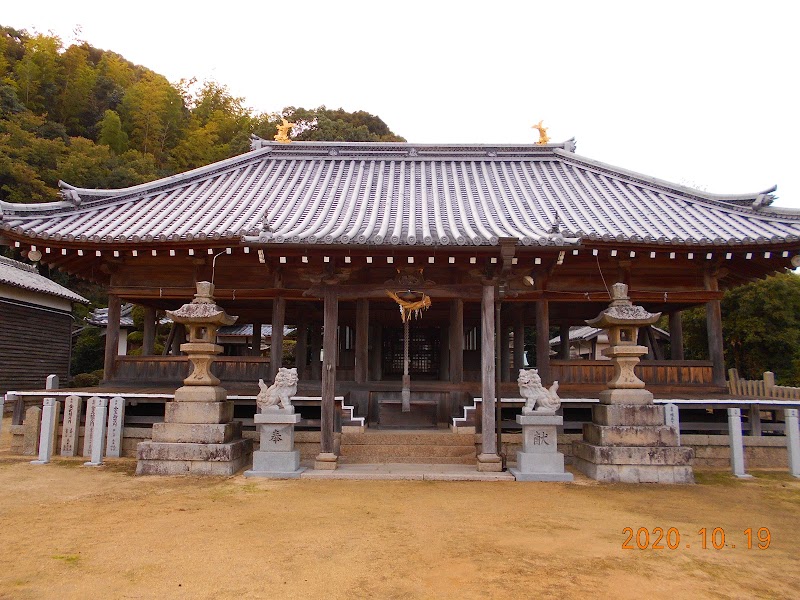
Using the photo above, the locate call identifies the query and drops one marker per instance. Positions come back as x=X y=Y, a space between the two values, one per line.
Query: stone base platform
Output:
x=629 y=464
x=166 y=458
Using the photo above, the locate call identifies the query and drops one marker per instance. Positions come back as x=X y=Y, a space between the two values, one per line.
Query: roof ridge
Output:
x=18 y=265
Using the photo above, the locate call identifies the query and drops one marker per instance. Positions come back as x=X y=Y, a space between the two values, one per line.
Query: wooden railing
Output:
x=158 y=369
x=760 y=387
x=653 y=373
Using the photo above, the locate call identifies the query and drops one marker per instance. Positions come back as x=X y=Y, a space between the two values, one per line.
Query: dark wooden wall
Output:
x=34 y=343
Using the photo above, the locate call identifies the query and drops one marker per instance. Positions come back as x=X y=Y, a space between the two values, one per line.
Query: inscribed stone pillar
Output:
x=112 y=337
x=543 y=341
x=2 y=408
x=456 y=340
x=736 y=442
x=276 y=457
x=18 y=405
x=149 y=333
x=116 y=423
x=326 y=459
x=672 y=420
x=89 y=425
x=98 y=433
x=488 y=460
x=276 y=342
x=793 y=440
x=31 y=430
x=676 y=335
x=540 y=459
x=73 y=406
x=49 y=431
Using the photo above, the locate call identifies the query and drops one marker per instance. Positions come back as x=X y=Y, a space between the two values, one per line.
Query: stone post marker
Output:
x=198 y=435
x=628 y=439
x=672 y=419
x=793 y=440
x=49 y=431
x=91 y=420
x=116 y=423
x=72 y=424
x=539 y=459
x=737 y=443
x=276 y=456
x=2 y=408
x=31 y=430
x=98 y=433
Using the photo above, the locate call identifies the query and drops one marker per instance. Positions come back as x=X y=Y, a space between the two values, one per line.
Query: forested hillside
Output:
x=94 y=119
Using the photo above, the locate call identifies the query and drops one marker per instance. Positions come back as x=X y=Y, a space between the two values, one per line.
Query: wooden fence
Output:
x=765 y=387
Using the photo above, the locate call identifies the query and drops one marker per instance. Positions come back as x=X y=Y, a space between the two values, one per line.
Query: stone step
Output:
x=391 y=450
x=410 y=438
x=416 y=460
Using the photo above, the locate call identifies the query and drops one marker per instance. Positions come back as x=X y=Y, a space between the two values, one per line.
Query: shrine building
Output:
x=507 y=242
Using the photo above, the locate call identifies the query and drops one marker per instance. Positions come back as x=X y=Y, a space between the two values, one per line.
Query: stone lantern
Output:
x=198 y=435
x=623 y=319
x=628 y=439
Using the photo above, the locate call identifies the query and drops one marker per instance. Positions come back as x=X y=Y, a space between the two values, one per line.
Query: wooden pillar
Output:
x=255 y=339
x=543 y=341
x=376 y=352
x=456 y=341
x=444 y=348
x=327 y=458
x=178 y=338
x=301 y=348
x=316 y=347
x=276 y=342
x=505 y=347
x=112 y=337
x=715 y=348
x=653 y=341
x=563 y=351
x=676 y=335
x=362 y=341
x=519 y=340
x=149 y=333
x=488 y=460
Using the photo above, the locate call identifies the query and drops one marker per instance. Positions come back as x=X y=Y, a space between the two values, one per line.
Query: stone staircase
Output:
x=409 y=447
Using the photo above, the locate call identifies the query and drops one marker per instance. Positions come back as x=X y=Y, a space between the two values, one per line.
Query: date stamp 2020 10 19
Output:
x=659 y=538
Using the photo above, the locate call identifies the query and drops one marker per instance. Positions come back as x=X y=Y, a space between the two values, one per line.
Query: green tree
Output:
x=760 y=326
x=112 y=134
x=39 y=72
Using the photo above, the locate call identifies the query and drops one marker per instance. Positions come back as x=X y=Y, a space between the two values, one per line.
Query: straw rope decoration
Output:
x=410 y=308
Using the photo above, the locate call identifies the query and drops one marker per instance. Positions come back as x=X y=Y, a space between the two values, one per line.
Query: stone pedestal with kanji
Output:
x=540 y=459
x=277 y=457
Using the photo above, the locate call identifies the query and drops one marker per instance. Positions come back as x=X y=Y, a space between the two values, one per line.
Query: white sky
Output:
x=702 y=93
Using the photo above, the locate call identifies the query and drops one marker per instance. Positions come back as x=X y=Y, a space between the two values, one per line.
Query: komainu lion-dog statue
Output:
x=277 y=396
x=537 y=398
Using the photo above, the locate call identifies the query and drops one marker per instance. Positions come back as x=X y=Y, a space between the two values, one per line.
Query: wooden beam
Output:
x=715 y=348
x=112 y=337
x=676 y=335
x=505 y=347
x=276 y=342
x=543 y=341
x=316 y=347
x=329 y=346
x=456 y=341
x=362 y=340
x=255 y=339
x=149 y=333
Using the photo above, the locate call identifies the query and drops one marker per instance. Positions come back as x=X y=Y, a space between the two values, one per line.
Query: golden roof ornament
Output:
x=283 y=132
x=543 y=137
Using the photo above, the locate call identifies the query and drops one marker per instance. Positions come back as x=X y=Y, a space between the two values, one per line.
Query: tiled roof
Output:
x=587 y=333
x=247 y=330
x=406 y=194
x=17 y=274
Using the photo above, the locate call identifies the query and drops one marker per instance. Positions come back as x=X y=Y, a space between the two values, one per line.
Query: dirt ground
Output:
x=68 y=531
